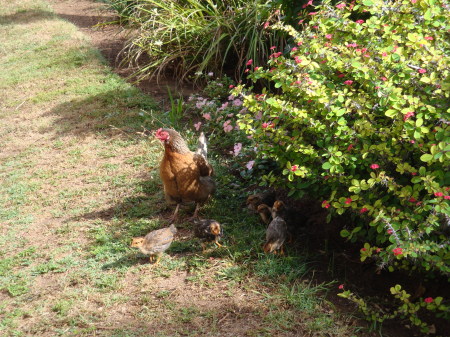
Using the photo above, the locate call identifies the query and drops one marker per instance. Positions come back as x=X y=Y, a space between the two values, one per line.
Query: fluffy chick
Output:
x=156 y=242
x=295 y=220
x=208 y=230
x=265 y=212
x=254 y=200
x=276 y=234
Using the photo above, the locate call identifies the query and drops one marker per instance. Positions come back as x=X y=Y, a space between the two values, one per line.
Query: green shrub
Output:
x=357 y=113
x=199 y=36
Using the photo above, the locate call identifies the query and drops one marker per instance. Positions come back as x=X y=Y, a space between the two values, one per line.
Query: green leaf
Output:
x=426 y=157
x=368 y=3
x=345 y=233
x=326 y=165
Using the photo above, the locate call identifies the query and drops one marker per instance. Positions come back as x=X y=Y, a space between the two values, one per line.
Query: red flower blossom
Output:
x=294 y=49
x=350 y=147
x=412 y=199
x=341 y=75
x=408 y=115
x=447 y=197
x=312 y=13
x=413 y=173
x=231 y=86
x=294 y=168
x=384 y=54
x=429 y=38
x=359 y=21
x=397 y=251
x=266 y=24
x=341 y=5
x=341 y=286
x=428 y=300
x=348 y=82
x=374 y=166
x=348 y=201
x=384 y=79
x=438 y=194
x=265 y=125
x=363 y=210
x=325 y=204
x=249 y=62
x=329 y=36
x=378 y=250
x=390 y=231
x=422 y=71
x=297 y=59
x=363 y=249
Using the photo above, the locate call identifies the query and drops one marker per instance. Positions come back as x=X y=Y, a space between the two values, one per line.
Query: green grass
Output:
x=77 y=182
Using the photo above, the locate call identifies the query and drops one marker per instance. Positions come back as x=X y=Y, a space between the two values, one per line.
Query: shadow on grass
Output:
x=123 y=107
x=26 y=17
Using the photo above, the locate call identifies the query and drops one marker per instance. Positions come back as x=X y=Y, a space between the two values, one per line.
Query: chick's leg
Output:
x=216 y=241
x=158 y=258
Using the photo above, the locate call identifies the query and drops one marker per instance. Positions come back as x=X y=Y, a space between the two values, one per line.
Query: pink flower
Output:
x=413 y=173
x=384 y=54
x=266 y=24
x=250 y=164
x=312 y=13
x=438 y=194
x=294 y=49
x=329 y=36
x=350 y=147
x=363 y=249
x=374 y=166
x=294 y=168
x=341 y=286
x=237 y=148
x=298 y=59
x=413 y=1
x=249 y=62
x=359 y=21
x=348 y=82
x=348 y=201
x=422 y=71
x=325 y=204
x=447 y=197
x=428 y=300
x=429 y=38
x=397 y=251
x=412 y=199
x=378 y=250
x=273 y=47
x=390 y=231
x=363 y=210
x=352 y=45
x=341 y=5
x=231 y=86
x=341 y=75
x=408 y=115
x=384 y=79
x=227 y=127
x=266 y=125
x=207 y=117
x=237 y=102
x=197 y=125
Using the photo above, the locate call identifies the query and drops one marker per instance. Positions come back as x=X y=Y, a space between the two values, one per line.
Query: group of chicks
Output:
x=282 y=221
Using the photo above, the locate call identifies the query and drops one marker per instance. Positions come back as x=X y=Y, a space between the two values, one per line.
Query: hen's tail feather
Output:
x=202 y=148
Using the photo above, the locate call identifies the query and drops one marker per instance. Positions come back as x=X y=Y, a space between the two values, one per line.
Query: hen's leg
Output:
x=217 y=242
x=174 y=215
x=195 y=216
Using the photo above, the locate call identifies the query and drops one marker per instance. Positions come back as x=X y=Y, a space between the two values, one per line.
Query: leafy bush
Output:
x=357 y=113
x=199 y=36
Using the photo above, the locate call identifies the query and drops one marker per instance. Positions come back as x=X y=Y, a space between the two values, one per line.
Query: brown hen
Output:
x=186 y=175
